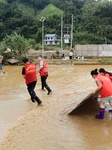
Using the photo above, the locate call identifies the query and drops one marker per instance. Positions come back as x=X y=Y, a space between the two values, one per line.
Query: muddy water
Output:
x=13 y=103
x=56 y=129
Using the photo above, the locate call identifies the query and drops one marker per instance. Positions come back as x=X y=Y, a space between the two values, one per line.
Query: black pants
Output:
x=44 y=84
x=31 y=87
x=32 y=93
x=43 y=81
x=63 y=56
x=70 y=57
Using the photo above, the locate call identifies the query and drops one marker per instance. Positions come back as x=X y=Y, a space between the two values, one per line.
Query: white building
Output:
x=66 y=38
x=51 y=39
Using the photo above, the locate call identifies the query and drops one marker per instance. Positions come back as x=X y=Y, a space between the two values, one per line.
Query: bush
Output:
x=57 y=52
x=32 y=43
x=37 y=46
x=17 y=43
x=84 y=38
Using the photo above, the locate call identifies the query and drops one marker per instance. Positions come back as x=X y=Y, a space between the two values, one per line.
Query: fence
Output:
x=104 y=50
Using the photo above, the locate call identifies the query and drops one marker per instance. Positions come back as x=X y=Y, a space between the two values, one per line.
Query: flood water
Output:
x=56 y=129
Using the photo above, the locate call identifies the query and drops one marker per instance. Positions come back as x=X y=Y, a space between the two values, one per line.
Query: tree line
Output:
x=92 y=20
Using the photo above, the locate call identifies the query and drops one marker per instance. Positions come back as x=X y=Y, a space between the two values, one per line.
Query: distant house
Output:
x=51 y=39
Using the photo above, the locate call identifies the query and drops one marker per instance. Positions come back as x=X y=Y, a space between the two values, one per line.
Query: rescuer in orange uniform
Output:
x=43 y=70
x=103 y=72
x=104 y=86
x=29 y=74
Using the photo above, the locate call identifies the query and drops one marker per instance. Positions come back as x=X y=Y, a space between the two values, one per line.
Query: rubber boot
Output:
x=38 y=100
x=110 y=110
x=101 y=115
x=49 y=90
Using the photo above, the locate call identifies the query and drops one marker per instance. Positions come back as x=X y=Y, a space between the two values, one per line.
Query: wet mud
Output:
x=50 y=127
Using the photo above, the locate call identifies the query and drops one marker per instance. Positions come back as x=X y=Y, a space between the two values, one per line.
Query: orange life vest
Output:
x=30 y=73
x=106 y=89
x=44 y=70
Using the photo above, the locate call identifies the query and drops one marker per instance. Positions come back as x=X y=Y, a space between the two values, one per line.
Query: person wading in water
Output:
x=29 y=73
x=43 y=70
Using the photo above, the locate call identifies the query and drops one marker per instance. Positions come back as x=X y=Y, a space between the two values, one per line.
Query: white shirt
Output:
x=41 y=65
x=71 y=53
x=63 y=51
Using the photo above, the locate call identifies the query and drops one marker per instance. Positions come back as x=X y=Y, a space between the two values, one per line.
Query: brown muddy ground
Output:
x=49 y=127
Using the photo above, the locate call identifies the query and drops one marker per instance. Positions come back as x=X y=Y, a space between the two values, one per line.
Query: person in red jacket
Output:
x=103 y=72
x=29 y=74
x=43 y=70
x=104 y=86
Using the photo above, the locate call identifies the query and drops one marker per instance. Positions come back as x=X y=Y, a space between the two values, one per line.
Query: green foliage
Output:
x=50 y=10
x=53 y=21
x=97 y=19
x=57 y=52
x=26 y=9
x=32 y=43
x=38 y=46
x=84 y=38
x=4 y=1
x=38 y=36
x=2 y=48
x=92 y=19
x=36 y=4
x=17 y=43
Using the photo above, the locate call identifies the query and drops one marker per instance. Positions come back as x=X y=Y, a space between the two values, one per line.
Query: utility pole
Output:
x=42 y=20
x=72 y=33
x=67 y=30
x=61 y=32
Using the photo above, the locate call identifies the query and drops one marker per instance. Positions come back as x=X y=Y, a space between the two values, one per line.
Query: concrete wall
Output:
x=93 y=50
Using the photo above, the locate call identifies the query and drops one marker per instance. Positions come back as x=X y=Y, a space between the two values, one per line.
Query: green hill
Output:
x=89 y=25
x=50 y=10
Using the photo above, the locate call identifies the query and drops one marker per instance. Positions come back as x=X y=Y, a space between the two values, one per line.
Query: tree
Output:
x=97 y=19
x=17 y=43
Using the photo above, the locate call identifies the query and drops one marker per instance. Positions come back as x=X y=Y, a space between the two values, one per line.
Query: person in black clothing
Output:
x=29 y=74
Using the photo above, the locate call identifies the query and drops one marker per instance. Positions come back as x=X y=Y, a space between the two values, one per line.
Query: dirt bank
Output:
x=59 y=61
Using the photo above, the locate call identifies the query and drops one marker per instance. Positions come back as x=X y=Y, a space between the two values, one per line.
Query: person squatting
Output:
x=103 y=72
x=104 y=86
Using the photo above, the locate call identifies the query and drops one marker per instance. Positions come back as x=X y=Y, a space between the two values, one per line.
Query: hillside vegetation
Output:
x=92 y=20
x=50 y=10
x=26 y=10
